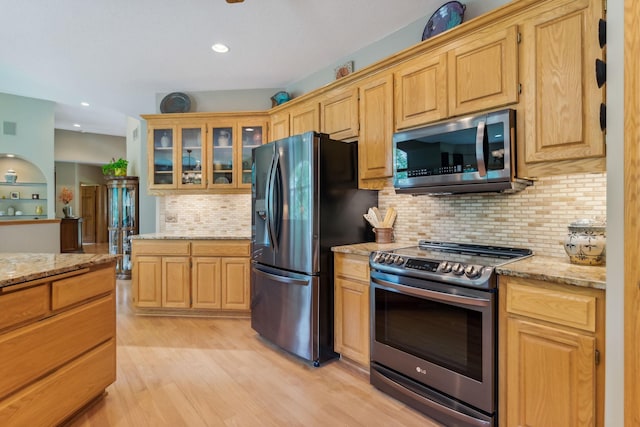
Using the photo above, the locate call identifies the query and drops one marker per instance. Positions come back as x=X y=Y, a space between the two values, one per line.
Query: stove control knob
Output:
x=378 y=257
x=472 y=272
x=458 y=269
x=390 y=259
x=399 y=260
x=446 y=267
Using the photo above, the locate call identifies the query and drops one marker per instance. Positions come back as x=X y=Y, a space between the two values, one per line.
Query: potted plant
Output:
x=116 y=167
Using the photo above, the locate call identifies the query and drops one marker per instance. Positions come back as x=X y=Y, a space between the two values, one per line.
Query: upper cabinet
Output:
x=483 y=71
x=561 y=99
x=203 y=152
x=421 y=90
x=231 y=143
x=339 y=113
x=376 y=131
x=295 y=119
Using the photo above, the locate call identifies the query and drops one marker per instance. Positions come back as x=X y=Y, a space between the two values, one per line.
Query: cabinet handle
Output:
x=603 y=116
x=601 y=72
x=602 y=32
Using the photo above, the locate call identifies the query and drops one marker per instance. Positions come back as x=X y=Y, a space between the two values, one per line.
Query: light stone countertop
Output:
x=365 y=249
x=22 y=267
x=538 y=267
x=557 y=270
x=182 y=236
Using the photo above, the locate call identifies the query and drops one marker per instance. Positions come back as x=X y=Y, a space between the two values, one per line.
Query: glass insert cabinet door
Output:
x=222 y=156
x=122 y=220
x=163 y=157
x=192 y=153
x=252 y=137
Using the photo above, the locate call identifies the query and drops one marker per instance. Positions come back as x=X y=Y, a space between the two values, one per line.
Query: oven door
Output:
x=436 y=334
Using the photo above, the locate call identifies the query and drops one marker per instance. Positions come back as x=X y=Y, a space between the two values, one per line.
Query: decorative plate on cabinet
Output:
x=176 y=102
x=446 y=17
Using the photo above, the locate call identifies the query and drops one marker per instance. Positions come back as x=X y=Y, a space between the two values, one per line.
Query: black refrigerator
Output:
x=305 y=199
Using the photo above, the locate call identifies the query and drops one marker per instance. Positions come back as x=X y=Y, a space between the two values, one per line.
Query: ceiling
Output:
x=118 y=54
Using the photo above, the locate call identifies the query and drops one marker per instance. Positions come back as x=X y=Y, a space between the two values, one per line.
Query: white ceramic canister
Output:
x=586 y=242
x=11 y=176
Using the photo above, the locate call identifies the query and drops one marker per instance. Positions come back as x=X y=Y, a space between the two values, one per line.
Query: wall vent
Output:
x=9 y=128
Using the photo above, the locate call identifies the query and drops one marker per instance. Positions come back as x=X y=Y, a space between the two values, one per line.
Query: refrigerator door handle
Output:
x=271 y=202
x=281 y=279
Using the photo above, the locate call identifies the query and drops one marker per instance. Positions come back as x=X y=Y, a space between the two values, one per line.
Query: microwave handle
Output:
x=480 y=134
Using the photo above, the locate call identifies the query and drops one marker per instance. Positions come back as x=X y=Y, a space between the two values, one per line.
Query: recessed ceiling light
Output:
x=76 y=125
x=220 y=48
x=11 y=155
x=84 y=104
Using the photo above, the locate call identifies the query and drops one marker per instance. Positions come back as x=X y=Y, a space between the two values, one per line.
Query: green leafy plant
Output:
x=116 y=167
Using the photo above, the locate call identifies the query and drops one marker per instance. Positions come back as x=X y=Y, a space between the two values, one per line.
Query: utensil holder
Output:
x=383 y=235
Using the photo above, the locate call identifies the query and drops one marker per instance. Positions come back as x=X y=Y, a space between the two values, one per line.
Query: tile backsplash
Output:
x=534 y=218
x=221 y=215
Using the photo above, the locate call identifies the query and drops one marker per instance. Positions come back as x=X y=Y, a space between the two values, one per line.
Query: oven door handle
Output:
x=434 y=295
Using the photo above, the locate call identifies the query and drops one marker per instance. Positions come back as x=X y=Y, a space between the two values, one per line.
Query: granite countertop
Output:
x=182 y=236
x=557 y=270
x=366 y=248
x=23 y=267
x=539 y=267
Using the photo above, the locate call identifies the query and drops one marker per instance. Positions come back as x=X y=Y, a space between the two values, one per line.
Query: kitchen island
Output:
x=57 y=335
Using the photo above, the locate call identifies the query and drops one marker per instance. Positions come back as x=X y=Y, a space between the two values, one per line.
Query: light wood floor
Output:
x=177 y=371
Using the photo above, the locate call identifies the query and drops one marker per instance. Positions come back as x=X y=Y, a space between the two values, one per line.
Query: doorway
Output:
x=93 y=208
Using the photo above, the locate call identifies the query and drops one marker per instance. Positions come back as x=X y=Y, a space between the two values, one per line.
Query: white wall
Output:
x=33 y=237
x=614 y=384
x=89 y=148
x=34 y=134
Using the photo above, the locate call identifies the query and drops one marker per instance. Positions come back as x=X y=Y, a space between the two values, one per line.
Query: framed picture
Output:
x=344 y=70
x=15 y=195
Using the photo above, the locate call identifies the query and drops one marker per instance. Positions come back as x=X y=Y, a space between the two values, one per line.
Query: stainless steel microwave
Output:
x=470 y=154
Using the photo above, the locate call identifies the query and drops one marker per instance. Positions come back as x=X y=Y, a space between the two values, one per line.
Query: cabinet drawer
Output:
x=23 y=305
x=352 y=266
x=220 y=248
x=30 y=352
x=160 y=247
x=74 y=289
x=560 y=307
x=59 y=395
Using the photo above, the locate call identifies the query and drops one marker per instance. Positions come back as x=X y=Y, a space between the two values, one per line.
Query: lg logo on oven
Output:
x=420 y=370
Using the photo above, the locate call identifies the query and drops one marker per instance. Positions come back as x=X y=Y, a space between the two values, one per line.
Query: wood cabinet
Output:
x=339 y=113
x=203 y=152
x=71 y=235
x=483 y=71
x=221 y=274
x=351 y=312
x=421 y=91
x=230 y=144
x=295 y=119
x=551 y=354
x=57 y=338
x=176 y=150
x=560 y=96
x=279 y=125
x=376 y=131
x=191 y=274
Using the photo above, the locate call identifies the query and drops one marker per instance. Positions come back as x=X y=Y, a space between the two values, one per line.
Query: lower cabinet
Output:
x=552 y=354
x=209 y=274
x=351 y=307
x=57 y=340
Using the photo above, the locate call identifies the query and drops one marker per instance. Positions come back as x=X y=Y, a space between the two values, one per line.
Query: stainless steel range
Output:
x=434 y=328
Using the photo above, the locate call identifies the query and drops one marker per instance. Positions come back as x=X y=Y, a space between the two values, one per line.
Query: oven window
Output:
x=443 y=334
